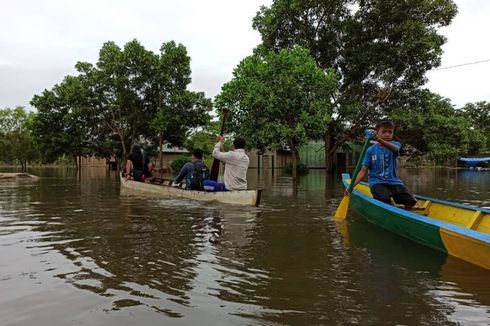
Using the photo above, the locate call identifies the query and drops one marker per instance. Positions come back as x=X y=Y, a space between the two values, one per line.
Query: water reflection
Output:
x=73 y=249
x=452 y=290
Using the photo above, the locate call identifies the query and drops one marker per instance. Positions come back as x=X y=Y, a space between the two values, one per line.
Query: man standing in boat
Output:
x=380 y=162
x=236 y=165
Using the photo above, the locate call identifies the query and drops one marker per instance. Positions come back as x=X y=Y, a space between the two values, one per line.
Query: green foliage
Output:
x=279 y=100
x=61 y=125
x=131 y=94
x=179 y=110
x=17 y=144
x=478 y=115
x=301 y=168
x=434 y=127
x=375 y=48
x=179 y=162
x=204 y=140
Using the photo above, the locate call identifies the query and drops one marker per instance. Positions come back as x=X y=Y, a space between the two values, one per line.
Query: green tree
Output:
x=179 y=110
x=129 y=95
x=479 y=115
x=61 y=125
x=431 y=124
x=17 y=143
x=119 y=99
x=202 y=139
x=375 y=47
x=280 y=100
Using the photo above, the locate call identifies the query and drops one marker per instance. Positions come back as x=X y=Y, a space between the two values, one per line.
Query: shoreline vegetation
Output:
x=327 y=79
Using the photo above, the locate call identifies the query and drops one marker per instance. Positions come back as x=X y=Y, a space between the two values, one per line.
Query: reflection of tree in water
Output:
x=283 y=262
x=430 y=285
x=140 y=252
x=284 y=267
x=294 y=269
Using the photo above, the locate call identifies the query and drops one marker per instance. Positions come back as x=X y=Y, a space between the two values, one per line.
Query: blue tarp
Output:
x=473 y=161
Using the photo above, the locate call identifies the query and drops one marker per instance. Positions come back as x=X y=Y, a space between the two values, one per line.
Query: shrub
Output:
x=179 y=162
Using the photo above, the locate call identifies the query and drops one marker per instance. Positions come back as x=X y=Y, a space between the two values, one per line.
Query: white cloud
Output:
x=5 y=62
x=40 y=41
x=466 y=42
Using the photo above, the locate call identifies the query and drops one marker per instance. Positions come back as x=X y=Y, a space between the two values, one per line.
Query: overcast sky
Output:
x=41 y=40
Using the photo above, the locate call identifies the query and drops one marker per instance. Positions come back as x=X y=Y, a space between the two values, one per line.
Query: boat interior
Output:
x=470 y=217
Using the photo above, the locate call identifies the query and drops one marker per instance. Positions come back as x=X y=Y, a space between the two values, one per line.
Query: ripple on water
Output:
x=83 y=246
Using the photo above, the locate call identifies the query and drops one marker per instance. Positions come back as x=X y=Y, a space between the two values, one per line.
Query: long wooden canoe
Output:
x=457 y=229
x=166 y=190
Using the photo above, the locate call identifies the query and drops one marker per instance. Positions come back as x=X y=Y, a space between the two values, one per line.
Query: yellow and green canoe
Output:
x=457 y=229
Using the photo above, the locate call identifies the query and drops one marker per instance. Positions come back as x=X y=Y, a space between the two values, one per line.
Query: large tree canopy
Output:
x=62 y=126
x=279 y=100
x=430 y=124
x=17 y=143
x=375 y=47
x=479 y=116
x=130 y=94
x=178 y=109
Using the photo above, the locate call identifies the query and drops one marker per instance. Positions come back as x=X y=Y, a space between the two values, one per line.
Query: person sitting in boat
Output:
x=235 y=177
x=148 y=167
x=194 y=173
x=135 y=164
x=381 y=166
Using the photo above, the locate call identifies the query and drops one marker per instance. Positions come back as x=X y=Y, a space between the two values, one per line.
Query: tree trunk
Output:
x=75 y=157
x=329 y=150
x=294 y=163
x=160 y=154
x=124 y=154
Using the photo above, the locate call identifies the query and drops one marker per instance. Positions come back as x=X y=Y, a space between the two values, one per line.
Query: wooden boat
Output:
x=163 y=188
x=457 y=229
x=17 y=176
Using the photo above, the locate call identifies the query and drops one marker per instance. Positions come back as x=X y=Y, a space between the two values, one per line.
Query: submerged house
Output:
x=312 y=155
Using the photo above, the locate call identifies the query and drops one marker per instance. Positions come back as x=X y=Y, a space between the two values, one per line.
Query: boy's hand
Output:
x=220 y=139
x=346 y=193
x=370 y=134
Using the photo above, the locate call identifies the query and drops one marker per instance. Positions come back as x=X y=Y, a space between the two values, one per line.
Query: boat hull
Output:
x=464 y=243
x=238 y=197
x=420 y=232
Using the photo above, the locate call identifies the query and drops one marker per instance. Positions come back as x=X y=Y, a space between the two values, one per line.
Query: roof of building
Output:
x=169 y=149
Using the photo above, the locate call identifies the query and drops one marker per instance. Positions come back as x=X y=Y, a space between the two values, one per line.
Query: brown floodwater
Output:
x=73 y=251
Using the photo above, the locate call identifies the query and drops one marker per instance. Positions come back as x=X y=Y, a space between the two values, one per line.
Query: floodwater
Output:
x=73 y=251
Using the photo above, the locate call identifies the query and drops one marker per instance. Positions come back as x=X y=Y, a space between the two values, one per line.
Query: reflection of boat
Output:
x=460 y=230
x=454 y=280
x=468 y=279
x=165 y=190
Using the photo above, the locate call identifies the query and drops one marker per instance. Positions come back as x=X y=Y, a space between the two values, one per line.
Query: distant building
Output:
x=312 y=155
x=269 y=159
x=169 y=155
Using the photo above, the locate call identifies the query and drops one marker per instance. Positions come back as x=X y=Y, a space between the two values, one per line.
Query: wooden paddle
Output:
x=341 y=212
x=215 y=167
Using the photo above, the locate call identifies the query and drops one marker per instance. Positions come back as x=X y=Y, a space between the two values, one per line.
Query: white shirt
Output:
x=236 y=167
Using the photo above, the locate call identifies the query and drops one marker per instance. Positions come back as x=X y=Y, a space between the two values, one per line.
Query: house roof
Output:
x=168 y=149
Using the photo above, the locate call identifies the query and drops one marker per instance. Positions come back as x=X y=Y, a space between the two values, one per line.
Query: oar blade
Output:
x=341 y=213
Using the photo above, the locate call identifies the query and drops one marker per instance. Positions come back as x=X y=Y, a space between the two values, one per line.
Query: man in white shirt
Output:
x=236 y=163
